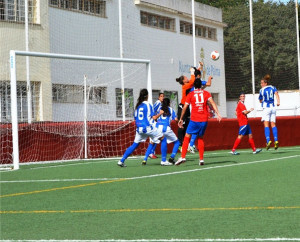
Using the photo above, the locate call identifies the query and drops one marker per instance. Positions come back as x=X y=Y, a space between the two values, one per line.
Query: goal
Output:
x=81 y=107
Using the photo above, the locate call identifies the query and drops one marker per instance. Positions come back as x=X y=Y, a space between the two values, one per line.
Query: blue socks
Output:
x=175 y=149
x=153 y=149
x=274 y=130
x=267 y=134
x=129 y=151
x=164 y=149
x=193 y=139
x=148 y=152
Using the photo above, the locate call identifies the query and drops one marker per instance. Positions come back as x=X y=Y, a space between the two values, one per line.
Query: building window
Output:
x=157 y=21
x=14 y=10
x=129 y=103
x=200 y=30
x=95 y=7
x=97 y=95
x=62 y=93
x=215 y=97
x=5 y=101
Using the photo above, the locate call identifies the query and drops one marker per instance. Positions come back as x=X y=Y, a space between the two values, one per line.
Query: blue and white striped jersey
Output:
x=266 y=94
x=143 y=117
x=157 y=106
x=166 y=120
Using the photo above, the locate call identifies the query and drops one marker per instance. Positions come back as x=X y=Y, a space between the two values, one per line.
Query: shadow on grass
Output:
x=193 y=163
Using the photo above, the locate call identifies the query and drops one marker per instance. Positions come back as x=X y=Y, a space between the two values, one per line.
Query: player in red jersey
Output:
x=199 y=117
x=241 y=113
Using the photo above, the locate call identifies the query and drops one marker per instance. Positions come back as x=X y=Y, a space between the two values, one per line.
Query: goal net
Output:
x=81 y=107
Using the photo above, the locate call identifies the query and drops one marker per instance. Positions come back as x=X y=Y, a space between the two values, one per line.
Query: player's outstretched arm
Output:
x=213 y=104
x=180 y=122
x=208 y=83
x=277 y=98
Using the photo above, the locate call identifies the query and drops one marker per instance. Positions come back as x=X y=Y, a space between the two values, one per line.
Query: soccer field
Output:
x=232 y=198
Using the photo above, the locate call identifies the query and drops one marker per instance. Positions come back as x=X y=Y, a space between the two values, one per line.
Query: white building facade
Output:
x=156 y=30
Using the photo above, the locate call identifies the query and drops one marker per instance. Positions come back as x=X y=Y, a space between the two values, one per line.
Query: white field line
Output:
x=157 y=175
x=167 y=240
x=107 y=160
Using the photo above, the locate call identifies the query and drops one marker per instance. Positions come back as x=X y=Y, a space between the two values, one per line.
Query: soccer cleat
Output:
x=191 y=149
x=171 y=160
x=268 y=145
x=180 y=161
x=166 y=163
x=152 y=156
x=121 y=164
x=195 y=148
x=276 y=145
x=257 y=151
x=234 y=153
x=144 y=162
x=201 y=162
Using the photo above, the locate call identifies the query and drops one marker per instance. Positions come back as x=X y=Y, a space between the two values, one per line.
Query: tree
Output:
x=223 y=3
x=275 y=47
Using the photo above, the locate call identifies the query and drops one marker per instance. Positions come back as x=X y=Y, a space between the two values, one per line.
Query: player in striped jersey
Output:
x=266 y=97
x=163 y=124
x=156 y=107
x=144 y=116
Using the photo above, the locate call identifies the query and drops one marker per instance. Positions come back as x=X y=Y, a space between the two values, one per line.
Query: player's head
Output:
x=143 y=97
x=198 y=83
x=182 y=80
x=242 y=96
x=265 y=81
x=165 y=106
x=161 y=96
x=197 y=73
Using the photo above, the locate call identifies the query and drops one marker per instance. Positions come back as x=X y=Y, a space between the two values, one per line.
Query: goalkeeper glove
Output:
x=192 y=70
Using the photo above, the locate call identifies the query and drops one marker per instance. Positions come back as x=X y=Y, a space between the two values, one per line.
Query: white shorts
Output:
x=269 y=114
x=169 y=134
x=154 y=135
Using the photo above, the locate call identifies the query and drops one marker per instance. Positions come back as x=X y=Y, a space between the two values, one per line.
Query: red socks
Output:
x=236 y=144
x=251 y=142
x=185 y=146
x=201 y=148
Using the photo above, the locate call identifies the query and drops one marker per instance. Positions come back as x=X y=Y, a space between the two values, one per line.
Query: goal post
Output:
x=85 y=93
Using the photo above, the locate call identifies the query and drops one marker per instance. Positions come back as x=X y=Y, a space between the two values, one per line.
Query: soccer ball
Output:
x=215 y=55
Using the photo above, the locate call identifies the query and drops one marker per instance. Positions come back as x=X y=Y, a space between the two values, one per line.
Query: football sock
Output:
x=129 y=150
x=153 y=149
x=267 y=134
x=164 y=149
x=236 y=144
x=193 y=139
x=274 y=130
x=185 y=145
x=251 y=142
x=201 y=148
x=175 y=148
x=148 y=152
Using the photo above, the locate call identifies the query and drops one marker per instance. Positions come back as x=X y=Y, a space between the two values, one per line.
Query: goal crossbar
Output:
x=13 y=77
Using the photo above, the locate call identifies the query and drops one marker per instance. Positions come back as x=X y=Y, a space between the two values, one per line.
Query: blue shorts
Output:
x=245 y=130
x=197 y=128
